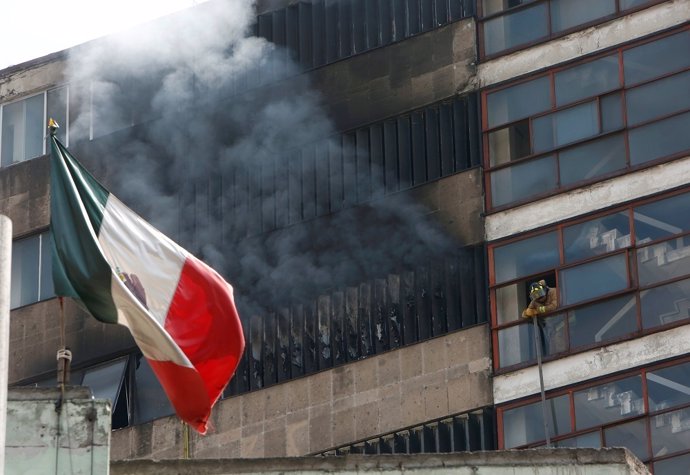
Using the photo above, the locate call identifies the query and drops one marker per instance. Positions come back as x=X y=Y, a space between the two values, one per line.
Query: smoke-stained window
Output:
x=324 y=31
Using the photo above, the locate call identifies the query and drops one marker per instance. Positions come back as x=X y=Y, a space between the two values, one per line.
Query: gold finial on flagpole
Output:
x=52 y=126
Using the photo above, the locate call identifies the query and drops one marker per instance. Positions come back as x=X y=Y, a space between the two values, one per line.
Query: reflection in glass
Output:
x=567 y=14
x=597 y=236
x=22 y=130
x=24 y=279
x=602 y=321
x=518 y=102
x=673 y=466
x=608 y=402
x=150 y=401
x=490 y=7
x=668 y=387
x=664 y=261
x=525 y=424
x=662 y=218
x=665 y=304
x=662 y=97
x=592 y=159
x=516 y=344
x=566 y=126
x=105 y=381
x=509 y=143
x=587 y=80
x=657 y=58
x=611 y=107
x=515 y=29
x=593 y=279
x=523 y=180
x=644 y=141
x=526 y=257
x=590 y=440
x=632 y=436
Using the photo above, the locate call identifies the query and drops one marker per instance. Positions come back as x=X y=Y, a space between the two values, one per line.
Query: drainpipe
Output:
x=5 y=271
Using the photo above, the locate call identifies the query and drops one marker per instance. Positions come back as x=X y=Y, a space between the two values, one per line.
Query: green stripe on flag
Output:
x=76 y=213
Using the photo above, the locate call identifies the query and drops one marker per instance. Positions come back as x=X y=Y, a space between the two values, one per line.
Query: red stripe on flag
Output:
x=186 y=392
x=203 y=321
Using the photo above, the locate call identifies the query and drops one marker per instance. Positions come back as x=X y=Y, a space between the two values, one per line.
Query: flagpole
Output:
x=5 y=273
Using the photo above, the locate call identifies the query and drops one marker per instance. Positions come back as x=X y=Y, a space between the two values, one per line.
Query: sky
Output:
x=34 y=28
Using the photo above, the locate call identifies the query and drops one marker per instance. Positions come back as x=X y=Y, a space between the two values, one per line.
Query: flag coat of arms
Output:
x=180 y=312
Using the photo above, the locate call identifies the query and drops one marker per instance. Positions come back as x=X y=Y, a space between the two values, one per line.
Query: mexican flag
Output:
x=180 y=312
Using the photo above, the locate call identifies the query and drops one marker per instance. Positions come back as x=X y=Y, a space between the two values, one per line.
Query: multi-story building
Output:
x=381 y=181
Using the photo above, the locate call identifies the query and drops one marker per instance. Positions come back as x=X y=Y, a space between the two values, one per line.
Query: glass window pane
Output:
x=105 y=380
x=597 y=236
x=489 y=7
x=632 y=436
x=24 y=283
x=516 y=345
x=519 y=101
x=525 y=424
x=591 y=440
x=602 y=321
x=662 y=218
x=625 y=4
x=673 y=466
x=590 y=280
x=587 y=80
x=659 y=98
x=515 y=29
x=567 y=14
x=593 y=159
x=664 y=261
x=656 y=58
x=670 y=432
x=668 y=387
x=666 y=304
x=150 y=401
x=510 y=301
x=526 y=257
x=646 y=146
x=566 y=126
x=611 y=112
x=608 y=402
x=523 y=180
x=509 y=143
x=22 y=130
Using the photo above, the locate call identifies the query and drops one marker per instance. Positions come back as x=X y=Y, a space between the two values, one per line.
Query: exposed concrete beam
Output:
x=593 y=364
x=588 y=198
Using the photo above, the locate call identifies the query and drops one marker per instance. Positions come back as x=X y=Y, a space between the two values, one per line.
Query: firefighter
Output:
x=543 y=299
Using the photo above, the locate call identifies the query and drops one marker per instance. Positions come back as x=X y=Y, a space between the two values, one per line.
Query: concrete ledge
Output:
x=536 y=461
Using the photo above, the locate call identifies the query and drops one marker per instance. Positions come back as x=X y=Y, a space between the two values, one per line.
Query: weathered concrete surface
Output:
x=32 y=77
x=593 y=364
x=588 y=198
x=406 y=75
x=581 y=43
x=400 y=388
x=73 y=440
x=616 y=461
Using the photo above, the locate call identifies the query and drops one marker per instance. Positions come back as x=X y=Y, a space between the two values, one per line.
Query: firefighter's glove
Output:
x=529 y=312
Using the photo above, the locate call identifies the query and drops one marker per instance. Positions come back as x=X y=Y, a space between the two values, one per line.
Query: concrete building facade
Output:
x=381 y=181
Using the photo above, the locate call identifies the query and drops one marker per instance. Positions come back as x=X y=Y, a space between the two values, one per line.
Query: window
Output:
x=618 y=274
x=24 y=125
x=646 y=411
x=32 y=279
x=605 y=116
x=506 y=25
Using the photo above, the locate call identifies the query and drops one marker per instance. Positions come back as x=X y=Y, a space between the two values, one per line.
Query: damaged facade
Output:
x=381 y=248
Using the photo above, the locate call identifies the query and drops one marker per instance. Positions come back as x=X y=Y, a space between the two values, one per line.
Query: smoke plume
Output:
x=211 y=125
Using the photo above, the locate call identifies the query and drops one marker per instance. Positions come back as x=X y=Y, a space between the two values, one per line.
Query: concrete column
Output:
x=5 y=271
